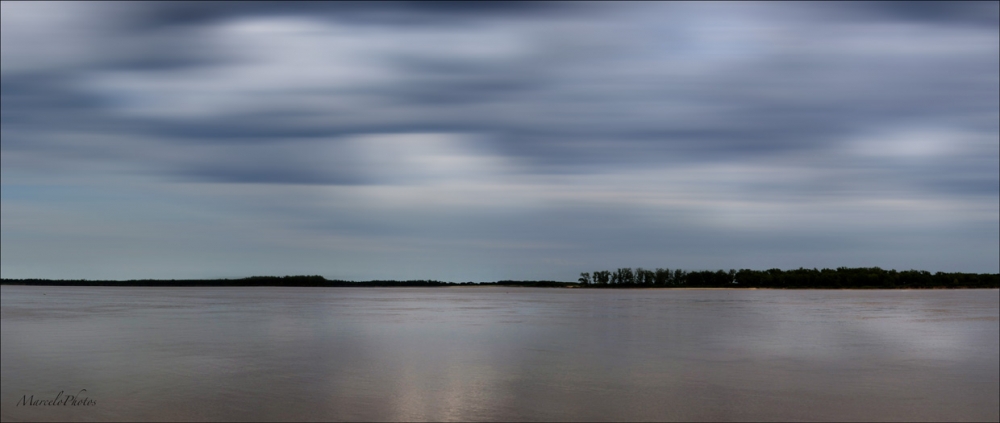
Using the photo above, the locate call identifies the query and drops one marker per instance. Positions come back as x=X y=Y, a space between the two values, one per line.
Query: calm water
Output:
x=500 y=354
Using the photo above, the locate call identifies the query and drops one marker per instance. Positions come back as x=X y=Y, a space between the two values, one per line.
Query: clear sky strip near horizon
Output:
x=488 y=141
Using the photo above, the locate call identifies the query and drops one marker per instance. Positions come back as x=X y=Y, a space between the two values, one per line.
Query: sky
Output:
x=491 y=141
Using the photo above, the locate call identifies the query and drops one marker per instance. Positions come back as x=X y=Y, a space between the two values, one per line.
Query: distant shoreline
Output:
x=622 y=278
x=967 y=281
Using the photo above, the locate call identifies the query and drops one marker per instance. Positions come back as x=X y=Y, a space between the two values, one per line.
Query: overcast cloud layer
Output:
x=496 y=141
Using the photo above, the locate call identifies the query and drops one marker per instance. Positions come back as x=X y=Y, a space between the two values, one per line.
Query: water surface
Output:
x=471 y=353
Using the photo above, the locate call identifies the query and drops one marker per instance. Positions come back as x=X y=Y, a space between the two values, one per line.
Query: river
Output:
x=494 y=353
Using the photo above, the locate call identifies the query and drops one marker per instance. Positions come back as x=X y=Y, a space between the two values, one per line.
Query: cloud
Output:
x=774 y=120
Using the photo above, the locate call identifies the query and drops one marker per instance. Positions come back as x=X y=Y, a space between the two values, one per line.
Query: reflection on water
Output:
x=500 y=354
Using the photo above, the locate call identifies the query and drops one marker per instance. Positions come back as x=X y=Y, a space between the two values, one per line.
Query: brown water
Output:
x=500 y=354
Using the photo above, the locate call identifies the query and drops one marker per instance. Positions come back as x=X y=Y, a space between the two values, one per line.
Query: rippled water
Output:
x=500 y=354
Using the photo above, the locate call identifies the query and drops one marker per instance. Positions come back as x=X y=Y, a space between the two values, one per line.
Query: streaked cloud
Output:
x=496 y=141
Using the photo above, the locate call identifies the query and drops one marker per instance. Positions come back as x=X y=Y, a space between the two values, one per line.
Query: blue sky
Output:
x=496 y=141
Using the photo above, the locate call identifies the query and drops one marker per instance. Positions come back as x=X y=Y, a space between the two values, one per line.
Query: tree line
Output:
x=839 y=278
x=625 y=277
